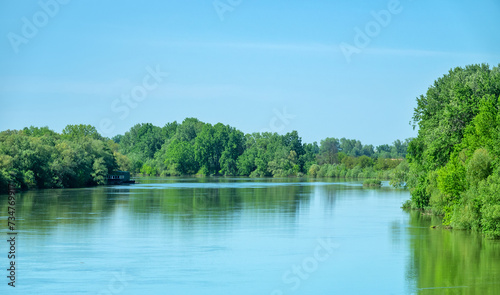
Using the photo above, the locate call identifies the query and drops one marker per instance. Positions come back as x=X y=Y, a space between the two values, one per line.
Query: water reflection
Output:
x=42 y=210
x=240 y=235
x=451 y=261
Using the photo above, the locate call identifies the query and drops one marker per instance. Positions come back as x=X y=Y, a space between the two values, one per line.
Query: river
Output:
x=238 y=236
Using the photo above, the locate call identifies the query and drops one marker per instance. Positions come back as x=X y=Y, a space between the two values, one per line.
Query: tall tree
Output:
x=328 y=150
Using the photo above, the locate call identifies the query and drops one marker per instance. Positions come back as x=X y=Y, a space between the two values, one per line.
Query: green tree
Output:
x=328 y=150
x=443 y=115
x=73 y=132
x=180 y=158
x=454 y=162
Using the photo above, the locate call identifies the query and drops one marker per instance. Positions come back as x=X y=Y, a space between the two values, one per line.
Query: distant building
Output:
x=119 y=177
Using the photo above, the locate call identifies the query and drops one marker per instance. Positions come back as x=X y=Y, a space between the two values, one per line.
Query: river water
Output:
x=238 y=236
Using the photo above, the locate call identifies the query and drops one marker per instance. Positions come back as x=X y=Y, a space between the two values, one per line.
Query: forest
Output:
x=197 y=148
x=453 y=163
x=79 y=156
x=41 y=158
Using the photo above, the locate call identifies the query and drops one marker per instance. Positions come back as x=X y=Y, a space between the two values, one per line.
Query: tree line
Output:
x=79 y=156
x=197 y=148
x=454 y=162
x=41 y=158
x=452 y=167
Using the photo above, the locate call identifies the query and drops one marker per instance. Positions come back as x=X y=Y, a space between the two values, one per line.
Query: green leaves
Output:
x=180 y=158
x=75 y=132
x=39 y=157
x=479 y=167
x=100 y=171
x=454 y=161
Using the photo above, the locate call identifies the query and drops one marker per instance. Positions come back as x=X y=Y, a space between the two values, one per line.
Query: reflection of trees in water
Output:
x=451 y=261
x=188 y=204
x=331 y=193
x=328 y=194
x=42 y=210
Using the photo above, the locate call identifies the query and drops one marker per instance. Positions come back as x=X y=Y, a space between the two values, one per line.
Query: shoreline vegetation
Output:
x=452 y=168
x=78 y=157
x=454 y=162
x=372 y=183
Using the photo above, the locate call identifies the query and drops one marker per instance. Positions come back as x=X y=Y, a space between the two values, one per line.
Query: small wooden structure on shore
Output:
x=120 y=177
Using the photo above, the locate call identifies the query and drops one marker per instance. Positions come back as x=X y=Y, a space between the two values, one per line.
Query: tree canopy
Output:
x=195 y=147
x=454 y=161
x=39 y=157
x=80 y=156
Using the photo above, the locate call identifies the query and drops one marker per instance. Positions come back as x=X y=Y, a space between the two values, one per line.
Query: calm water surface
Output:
x=239 y=236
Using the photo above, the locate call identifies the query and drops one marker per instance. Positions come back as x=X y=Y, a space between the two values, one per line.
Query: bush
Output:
x=372 y=183
x=5 y=179
x=399 y=176
x=322 y=171
x=313 y=170
x=407 y=205
x=489 y=195
x=365 y=161
x=468 y=216
x=479 y=166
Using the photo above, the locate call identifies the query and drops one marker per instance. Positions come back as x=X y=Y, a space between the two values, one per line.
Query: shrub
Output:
x=479 y=166
x=372 y=183
x=313 y=170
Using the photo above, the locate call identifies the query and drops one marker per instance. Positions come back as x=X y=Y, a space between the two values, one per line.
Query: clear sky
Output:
x=324 y=68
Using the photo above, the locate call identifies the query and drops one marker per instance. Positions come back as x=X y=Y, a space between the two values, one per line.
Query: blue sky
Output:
x=257 y=65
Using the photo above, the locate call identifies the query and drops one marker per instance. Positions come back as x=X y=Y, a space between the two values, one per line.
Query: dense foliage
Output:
x=40 y=158
x=454 y=162
x=80 y=156
x=197 y=148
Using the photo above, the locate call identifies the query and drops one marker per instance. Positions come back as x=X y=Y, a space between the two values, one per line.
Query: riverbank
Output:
x=456 y=175
x=80 y=157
